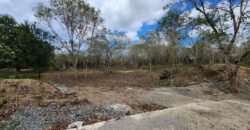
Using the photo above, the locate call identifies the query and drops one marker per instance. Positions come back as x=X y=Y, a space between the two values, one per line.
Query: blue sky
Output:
x=146 y=28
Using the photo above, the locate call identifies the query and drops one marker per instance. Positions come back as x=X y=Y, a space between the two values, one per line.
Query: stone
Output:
x=165 y=74
x=77 y=125
x=119 y=110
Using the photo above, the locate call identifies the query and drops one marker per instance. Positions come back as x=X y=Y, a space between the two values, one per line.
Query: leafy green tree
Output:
x=35 y=50
x=6 y=55
x=24 y=45
x=7 y=40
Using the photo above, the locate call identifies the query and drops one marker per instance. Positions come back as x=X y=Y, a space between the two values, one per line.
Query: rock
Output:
x=119 y=110
x=165 y=74
x=77 y=125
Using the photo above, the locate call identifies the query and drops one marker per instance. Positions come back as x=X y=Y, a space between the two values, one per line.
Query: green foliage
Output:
x=6 y=55
x=18 y=75
x=23 y=45
x=163 y=83
x=11 y=126
x=171 y=24
x=36 y=52
x=2 y=101
x=7 y=40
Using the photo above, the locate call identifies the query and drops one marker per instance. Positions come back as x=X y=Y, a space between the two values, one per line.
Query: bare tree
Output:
x=79 y=19
x=112 y=43
x=139 y=54
x=171 y=26
x=216 y=17
x=152 y=38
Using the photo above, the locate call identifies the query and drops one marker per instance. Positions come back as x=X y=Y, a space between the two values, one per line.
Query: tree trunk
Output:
x=150 y=64
x=18 y=69
x=86 y=69
x=232 y=71
x=233 y=84
x=107 y=66
x=39 y=73
x=75 y=66
x=98 y=59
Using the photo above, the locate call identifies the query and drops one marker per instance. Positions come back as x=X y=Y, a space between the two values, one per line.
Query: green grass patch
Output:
x=8 y=74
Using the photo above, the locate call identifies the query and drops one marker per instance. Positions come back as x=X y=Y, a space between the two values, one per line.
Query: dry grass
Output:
x=21 y=93
x=119 y=87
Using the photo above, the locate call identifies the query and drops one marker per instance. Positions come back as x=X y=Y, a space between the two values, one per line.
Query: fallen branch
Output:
x=208 y=81
x=62 y=88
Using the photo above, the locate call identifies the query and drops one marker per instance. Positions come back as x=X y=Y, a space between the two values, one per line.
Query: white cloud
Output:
x=122 y=15
x=19 y=9
x=132 y=35
x=130 y=15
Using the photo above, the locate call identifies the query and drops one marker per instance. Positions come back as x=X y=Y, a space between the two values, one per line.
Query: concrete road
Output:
x=211 y=115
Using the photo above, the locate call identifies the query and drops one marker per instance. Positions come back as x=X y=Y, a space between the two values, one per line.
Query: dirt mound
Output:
x=198 y=74
x=27 y=86
x=18 y=94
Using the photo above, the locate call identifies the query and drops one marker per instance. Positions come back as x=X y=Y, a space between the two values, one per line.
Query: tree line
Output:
x=219 y=26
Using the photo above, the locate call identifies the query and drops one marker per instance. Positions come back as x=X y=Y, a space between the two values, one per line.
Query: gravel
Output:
x=38 y=118
x=119 y=110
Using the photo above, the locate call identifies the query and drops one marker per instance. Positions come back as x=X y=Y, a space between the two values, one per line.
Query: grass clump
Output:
x=2 y=102
x=10 y=126
x=10 y=74
x=162 y=83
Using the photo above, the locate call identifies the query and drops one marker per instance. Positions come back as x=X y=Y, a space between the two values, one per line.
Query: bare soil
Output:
x=120 y=87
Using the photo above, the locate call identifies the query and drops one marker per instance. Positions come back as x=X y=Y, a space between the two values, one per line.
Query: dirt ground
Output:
x=124 y=86
x=136 y=88
x=120 y=87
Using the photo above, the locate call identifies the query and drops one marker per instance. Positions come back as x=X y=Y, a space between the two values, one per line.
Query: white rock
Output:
x=124 y=109
x=76 y=125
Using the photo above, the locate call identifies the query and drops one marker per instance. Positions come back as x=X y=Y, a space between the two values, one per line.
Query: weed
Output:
x=75 y=101
x=162 y=83
x=63 y=103
x=207 y=72
x=3 y=90
x=150 y=107
x=78 y=101
x=11 y=126
x=18 y=75
x=2 y=102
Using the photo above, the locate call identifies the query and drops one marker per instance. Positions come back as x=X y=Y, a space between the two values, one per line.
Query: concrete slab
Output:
x=212 y=115
x=175 y=96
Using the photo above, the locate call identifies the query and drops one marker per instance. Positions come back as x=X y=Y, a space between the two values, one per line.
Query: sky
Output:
x=133 y=17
